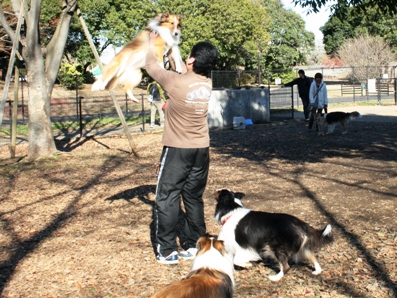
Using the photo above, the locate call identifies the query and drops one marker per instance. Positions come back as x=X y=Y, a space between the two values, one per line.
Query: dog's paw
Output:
x=316 y=272
x=243 y=265
x=276 y=277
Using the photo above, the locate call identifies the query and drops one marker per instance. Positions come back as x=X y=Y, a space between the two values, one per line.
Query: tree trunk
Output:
x=40 y=79
x=41 y=141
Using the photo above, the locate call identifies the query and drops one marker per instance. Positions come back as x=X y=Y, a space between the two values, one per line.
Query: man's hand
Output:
x=152 y=37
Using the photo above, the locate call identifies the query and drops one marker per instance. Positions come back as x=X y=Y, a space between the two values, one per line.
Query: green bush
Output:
x=285 y=76
x=71 y=75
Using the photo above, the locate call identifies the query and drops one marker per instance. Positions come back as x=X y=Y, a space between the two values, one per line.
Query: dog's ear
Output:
x=200 y=242
x=219 y=246
x=239 y=195
x=224 y=195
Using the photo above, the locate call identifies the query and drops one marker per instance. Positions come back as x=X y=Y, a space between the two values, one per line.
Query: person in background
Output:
x=304 y=84
x=318 y=97
x=184 y=161
x=157 y=99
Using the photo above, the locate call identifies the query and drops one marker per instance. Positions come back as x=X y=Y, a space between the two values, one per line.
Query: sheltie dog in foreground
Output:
x=211 y=275
x=332 y=119
x=125 y=68
x=257 y=236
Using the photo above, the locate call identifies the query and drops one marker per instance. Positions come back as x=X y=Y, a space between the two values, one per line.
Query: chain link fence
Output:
x=344 y=84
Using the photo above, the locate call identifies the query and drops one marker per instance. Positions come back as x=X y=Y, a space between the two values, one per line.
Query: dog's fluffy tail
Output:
x=325 y=235
x=354 y=115
x=108 y=80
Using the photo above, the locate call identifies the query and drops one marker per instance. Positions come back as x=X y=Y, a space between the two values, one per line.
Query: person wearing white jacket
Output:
x=318 y=97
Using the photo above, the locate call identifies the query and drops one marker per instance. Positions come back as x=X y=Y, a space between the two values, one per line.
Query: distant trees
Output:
x=290 y=42
x=366 y=53
x=351 y=22
x=382 y=6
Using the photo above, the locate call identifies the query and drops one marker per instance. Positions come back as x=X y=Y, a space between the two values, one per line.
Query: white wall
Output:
x=251 y=104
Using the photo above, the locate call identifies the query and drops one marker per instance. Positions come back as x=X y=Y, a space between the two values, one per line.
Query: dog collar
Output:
x=225 y=220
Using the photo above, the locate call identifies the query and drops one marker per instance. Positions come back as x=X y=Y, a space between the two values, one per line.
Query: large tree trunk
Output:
x=40 y=79
x=41 y=141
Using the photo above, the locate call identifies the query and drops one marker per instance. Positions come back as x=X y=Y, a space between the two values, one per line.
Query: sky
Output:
x=313 y=21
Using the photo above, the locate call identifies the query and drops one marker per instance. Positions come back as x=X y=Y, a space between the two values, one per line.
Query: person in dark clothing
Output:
x=185 y=159
x=303 y=83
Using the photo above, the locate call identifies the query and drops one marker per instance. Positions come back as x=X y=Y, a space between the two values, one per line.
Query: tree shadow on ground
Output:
x=23 y=248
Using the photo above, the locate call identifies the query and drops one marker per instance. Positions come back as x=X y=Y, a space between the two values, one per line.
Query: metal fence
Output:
x=346 y=84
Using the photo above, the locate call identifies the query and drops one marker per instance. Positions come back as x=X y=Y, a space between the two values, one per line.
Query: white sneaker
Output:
x=188 y=254
x=171 y=259
x=151 y=125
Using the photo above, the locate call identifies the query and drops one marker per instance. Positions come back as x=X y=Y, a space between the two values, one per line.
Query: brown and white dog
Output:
x=211 y=275
x=125 y=68
x=332 y=119
x=251 y=236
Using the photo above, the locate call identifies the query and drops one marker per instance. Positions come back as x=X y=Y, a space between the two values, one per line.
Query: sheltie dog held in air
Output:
x=125 y=68
x=211 y=275
x=251 y=236
x=332 y=119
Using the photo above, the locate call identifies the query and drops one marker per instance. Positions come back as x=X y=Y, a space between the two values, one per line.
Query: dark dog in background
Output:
x=251 y=236
x=332 y=119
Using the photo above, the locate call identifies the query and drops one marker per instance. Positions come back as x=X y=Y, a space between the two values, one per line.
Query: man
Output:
x=184 y=161
x=303 y=83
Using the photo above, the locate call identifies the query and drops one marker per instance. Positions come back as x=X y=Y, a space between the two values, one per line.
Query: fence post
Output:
x=292 y=102
x=80 y=117
x=23 y=108
x=143 y=113
x=395 y=91
x=77 y=98
x=379 y=91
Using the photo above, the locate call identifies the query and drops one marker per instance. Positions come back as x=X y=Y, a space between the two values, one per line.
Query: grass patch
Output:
x=70 y=126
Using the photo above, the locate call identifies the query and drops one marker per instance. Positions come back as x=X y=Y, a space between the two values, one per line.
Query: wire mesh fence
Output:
x=344 y=84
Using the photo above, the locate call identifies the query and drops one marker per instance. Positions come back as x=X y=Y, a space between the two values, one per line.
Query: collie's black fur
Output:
x=253 y=235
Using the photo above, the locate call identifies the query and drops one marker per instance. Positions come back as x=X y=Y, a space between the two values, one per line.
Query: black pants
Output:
x=306 y=107
x=183 y=173
x=313 y=111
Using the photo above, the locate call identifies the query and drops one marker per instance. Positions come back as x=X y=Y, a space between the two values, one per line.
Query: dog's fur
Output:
x=251 y=236
x=211 y=275
x=332 y=119
x=125 y=68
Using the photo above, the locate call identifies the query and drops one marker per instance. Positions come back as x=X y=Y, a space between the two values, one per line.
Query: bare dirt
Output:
x=79 y=224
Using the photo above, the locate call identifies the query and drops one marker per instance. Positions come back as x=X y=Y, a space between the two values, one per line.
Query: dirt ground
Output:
x=79 y=224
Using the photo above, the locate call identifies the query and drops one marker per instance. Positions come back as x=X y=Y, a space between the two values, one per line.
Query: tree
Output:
x=236 y=28
x=42 y=68
x=382 y=6
x=290 y=42
x=352 y=22
x=366 y=54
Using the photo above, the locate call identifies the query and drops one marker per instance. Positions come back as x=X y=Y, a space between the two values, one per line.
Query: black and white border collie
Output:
x=211 y=275
x=254 y=236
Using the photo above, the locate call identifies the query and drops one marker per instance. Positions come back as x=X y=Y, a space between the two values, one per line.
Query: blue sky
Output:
x=313 y=21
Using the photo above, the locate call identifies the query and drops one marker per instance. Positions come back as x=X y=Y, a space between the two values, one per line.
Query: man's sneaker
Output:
x=188 y=254
x=151 y=125
x=171 y=259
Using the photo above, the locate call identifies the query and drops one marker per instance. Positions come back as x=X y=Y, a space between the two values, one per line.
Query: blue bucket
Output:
x=248 y=122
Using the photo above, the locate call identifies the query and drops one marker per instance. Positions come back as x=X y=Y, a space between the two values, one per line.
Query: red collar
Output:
x=225 y=220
